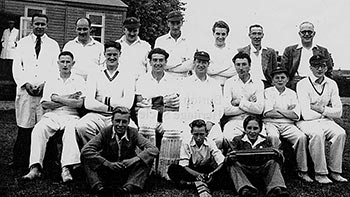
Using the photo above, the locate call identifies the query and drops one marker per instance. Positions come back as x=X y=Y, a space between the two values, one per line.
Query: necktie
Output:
x=37 y=46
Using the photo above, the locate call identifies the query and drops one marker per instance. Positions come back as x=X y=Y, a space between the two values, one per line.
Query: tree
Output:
x=152 y=15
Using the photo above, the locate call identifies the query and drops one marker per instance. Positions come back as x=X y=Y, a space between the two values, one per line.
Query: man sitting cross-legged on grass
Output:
x=200 y=159
x=109 y=158
x=62 y=96
x=260 y=160
x=281 y=110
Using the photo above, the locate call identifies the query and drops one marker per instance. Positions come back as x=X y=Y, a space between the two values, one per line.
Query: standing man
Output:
x=35 y=58
x=110 y=159
x=264 y=59
x=319 y=103
x=134 y=50
x=106 y=90
x=202 y=99
x=296 y=57
x=88 y=52
x=221 y=67
x=177 y=45
x=9 y=40
x=244 y=95
x=63 y=96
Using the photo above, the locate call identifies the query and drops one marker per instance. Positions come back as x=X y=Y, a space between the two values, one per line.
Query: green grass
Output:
x=51 y=185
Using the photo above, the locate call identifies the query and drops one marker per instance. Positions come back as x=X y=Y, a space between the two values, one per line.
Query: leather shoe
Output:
x=247 y=192
x=278 y=192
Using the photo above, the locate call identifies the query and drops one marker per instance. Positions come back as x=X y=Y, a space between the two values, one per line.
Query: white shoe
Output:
x=32 y=174
x=305 y=177
x=66 y=176
x=337 y=177
x=323 y=179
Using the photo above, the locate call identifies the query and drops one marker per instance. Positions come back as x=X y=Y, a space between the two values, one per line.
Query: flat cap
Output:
x=175 y=16
x=317 y=59
x=131 y=23
x=201 y=55
x=279 y=69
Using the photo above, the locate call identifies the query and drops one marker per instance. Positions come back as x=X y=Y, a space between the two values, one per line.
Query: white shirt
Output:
x=199 y=155
x=28 y=68
x=276 y=100
x=88 y=58
x=179 y=50
x=8 y=42
x=56 y=85
x=134 y=56
x=304 y=66
x=256 y=69
x=235 y=88
x=326 y=94
x=201 y=99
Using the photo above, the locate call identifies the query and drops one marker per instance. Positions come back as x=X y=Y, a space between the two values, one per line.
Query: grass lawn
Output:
x=51 y=185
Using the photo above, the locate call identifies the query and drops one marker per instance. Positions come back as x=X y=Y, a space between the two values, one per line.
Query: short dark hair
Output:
x=121 y=110
x=158 y=51
x=221 y=24
x=241 y=55
x=249 y=118
x=40 y=15
x=86 y=18
x=64 y=53
x=110 y=43
x=255 y=25
x=198 y=123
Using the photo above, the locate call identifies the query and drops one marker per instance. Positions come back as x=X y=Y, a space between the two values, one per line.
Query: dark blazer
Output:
x=268 y=60
x=102 y=147
x=291 y=60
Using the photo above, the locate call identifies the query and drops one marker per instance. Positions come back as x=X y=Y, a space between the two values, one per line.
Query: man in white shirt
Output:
x=106 y=90
x=63 y=96
x=296 y=57
x=88 y=52
x=264 y=59
x=9 y=40
x=134 y=52
x=319 y=103
x=221 y=67
x=177 y=45
x=35 y=60
x=243 y=96
x=202 y=99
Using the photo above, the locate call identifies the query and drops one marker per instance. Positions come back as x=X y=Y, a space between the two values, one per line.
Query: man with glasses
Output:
x=134 y=50
x=177 y=45
x=319 y=103
x=295 y=58
x=87 y=51
x=264 y=59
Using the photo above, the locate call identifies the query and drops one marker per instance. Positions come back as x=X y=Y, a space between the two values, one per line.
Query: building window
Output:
x=97 y=25
x=31 y=10
x=25 y=23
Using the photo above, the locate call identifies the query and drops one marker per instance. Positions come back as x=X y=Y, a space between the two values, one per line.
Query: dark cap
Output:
x=175 y=16
x=131 y=23
x=278 y=70
x=317 y=59
x=201 y=55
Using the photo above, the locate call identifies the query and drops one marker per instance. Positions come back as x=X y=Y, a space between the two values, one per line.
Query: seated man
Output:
x=256 y=164
x=202 y=99
x=200 y=159
x=106 y=90
x=62 y=96
x=281 y=110
x=157 y=89
x=111 y=157
x=320 y=102
x=243 y=96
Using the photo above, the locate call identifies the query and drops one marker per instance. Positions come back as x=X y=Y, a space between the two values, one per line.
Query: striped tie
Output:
x=37 y=46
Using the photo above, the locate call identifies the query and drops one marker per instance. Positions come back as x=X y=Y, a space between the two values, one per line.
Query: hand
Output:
x=317 y=107
x=116 y=166
x=38 y=90
x=210 y=177
x=235 y=101
x=145 y=103
x=29 y=89
x=75 y=95
x=291 y=107
x=209 y=125
x=231 y=157
x=202 y=177
x=128 y=162
x=252 y=98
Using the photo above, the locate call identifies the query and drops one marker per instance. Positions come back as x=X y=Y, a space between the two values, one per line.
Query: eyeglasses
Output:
x=307 y=32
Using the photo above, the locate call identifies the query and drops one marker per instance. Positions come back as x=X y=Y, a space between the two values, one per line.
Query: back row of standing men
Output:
x=110 y=82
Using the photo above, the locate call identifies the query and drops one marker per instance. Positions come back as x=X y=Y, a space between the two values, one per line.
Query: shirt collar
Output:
x=115 y=136
x=196 y=79
x=284 y=92
x=258 y=141
x=300 y=45
x=33 y=36
x=313 y=79
x=92 y=41
x=193 y=143
x=123 y=39
x=168 y=37
x=164 y=78
x=252 y=48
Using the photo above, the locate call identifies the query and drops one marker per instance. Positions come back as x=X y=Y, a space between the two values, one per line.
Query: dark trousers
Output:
x=135 y=175
x=21 y=149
